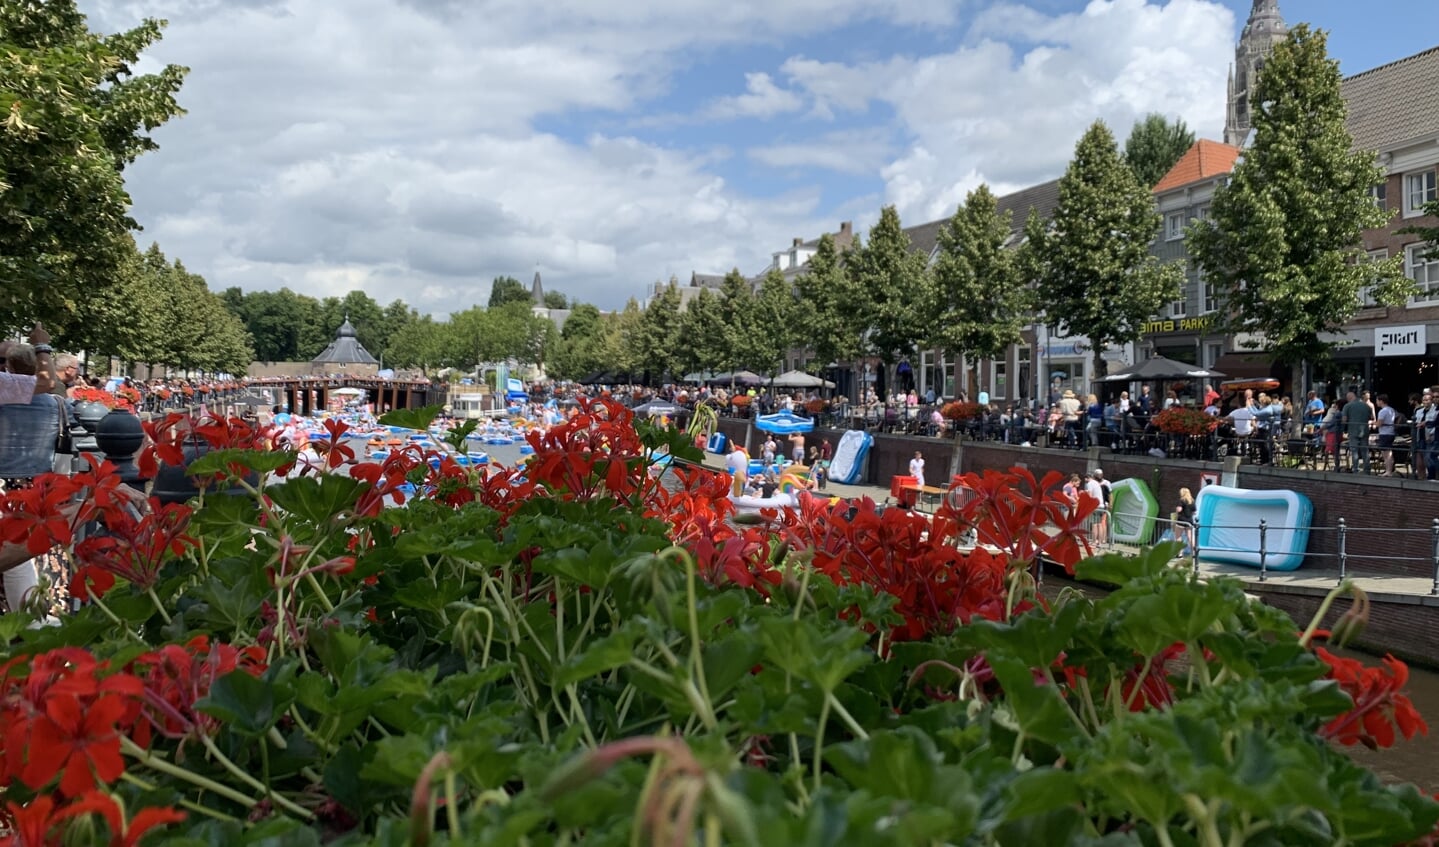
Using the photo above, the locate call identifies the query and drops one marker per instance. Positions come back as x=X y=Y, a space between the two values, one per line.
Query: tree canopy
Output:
x=76 y=115
x=982 y=301
x=1154 y=146
x=897 y=286
x=1096 y=277
x=1283 y=238
x=507 y=289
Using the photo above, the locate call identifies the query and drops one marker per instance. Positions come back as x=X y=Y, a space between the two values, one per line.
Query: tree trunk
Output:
x=1101 y=370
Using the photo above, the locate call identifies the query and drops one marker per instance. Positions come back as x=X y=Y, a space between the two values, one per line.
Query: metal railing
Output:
x=1101 y=528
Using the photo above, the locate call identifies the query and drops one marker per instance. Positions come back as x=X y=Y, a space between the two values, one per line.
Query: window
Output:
x=1424 y=271
x=1380 y=193
x=1177 y=308
x=1001 y=380
x=1215 y=351
x=1202 y=213
x=1174 y=226
x=1366 y=294
x=1418 y=189
x=1208 y=296
x=1021 y=354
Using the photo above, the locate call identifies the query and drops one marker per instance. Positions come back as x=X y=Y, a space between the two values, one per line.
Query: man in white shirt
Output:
x=916 y=468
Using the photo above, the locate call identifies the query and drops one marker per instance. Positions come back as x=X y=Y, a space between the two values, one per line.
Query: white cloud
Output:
x=762 y=99
x=406 y=147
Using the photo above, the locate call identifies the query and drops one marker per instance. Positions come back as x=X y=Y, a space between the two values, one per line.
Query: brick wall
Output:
x=1405 y=629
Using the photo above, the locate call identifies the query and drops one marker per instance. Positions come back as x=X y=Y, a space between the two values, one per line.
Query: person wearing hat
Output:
x=1099 y=521
x=1069 y=412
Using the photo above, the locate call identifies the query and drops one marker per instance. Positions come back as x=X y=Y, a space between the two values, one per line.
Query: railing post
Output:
x=1343 y=550
x=1195 y=546
x=1434 y=535
x=1263 y=551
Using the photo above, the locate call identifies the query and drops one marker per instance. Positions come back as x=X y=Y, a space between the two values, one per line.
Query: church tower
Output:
x=1264 y=29
x=537 y=291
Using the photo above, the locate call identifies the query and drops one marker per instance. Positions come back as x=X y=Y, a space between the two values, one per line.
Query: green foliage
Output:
x=581 y=345
x=898 y=305
x=776 y=324
x=701 y=334
x=737 y=316
x=1283 y=241
x=983 y=301
x=507 y=289
x=76 y=115
x=1430 y=234
x=1154 y=146
x=561 y=673
x=1096 y=277
x=833 y=306
x=556 y=300
x=656 y=344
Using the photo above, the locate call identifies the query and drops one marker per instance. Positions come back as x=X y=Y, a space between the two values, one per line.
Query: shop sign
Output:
x=1399 y=341
x=1056 y=351
x=1167 y=325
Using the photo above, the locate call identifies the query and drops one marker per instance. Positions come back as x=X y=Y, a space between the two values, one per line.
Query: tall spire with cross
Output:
x=1264 y=29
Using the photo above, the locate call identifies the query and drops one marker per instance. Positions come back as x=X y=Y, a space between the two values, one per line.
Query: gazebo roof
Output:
x=346 y=349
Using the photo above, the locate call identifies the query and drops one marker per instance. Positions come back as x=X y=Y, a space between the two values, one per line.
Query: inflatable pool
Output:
x=1133 y=510
x=1229 y=526
x=847 y=466
x=478 y=458
x=526 y=449
x=779 y=500
x=499 y=440
x=718 y=443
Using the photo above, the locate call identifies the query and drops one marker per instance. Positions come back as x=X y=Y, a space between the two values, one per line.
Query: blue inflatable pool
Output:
x=1229 y=519
x=718 y=443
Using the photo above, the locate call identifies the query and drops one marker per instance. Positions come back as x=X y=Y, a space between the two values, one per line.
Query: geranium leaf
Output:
x=248 y=704
x=601 y=655
x=417 y=419
x=1038 y=707
x=317 y=499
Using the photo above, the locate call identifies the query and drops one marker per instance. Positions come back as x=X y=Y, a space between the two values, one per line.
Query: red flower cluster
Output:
x=176 y=677
x=133 y=549
x=47 y=513
x=1379 y=708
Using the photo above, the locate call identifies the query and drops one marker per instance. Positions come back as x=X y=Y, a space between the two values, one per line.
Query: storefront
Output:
x=1397 y=360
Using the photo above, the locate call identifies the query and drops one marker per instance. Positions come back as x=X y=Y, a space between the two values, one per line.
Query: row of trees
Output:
x=1281 y=247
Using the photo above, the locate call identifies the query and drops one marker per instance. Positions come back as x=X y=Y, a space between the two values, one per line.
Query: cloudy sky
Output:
x=419 y=148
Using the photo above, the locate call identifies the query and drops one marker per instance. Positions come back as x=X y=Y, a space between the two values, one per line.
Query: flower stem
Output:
x=155 y=763
x=188 y=804
x=159 y=607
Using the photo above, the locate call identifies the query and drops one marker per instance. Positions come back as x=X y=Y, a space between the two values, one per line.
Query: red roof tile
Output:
x=1205 y=160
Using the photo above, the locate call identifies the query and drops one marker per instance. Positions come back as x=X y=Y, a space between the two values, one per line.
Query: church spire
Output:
x=537 y=291
x=1264 y=29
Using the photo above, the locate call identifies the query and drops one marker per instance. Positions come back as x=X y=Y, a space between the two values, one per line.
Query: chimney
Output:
x=798 y=242
x=846 y=228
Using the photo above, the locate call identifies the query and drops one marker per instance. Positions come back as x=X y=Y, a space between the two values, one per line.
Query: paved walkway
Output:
x=1308 y=580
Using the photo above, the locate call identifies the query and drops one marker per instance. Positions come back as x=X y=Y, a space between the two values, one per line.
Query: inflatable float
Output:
x=718 y=443
x=847 y=466
x=1229 y=526
x=1133 y=511
x=778 y=500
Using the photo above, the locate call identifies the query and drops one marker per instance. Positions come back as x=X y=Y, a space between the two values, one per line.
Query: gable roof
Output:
x=1042 y=198
x=1393 y=104
x=1204 y=160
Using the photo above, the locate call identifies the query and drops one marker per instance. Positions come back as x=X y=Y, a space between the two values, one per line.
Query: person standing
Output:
x=1184 y=519
x=916 y=468
x=1098 y=523
x=1355 y=417
x=1387 y=419
x=797 y=447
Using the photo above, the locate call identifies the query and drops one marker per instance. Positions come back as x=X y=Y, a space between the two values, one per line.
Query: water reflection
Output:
x=1407 y=761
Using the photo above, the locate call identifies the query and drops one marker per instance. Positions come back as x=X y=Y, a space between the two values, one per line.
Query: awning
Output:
x=1245 y=365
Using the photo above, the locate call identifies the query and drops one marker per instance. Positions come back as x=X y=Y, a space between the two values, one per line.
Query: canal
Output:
x=1415 y=761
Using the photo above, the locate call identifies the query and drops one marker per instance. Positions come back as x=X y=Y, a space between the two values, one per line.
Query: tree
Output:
x=1096 y=277
x=1283 y=239
x=418 y=343
x=656 y=345
x=581 y=344
x=775 y=316
x=982 y=299
x=507 y=289
x=622 y=331
x=736 y=309
x=1429 y=234
x=898 y=292
x=1154 y=145
x=833 y=306
x=76 y=115
x=556 y=300
x=701 y=336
